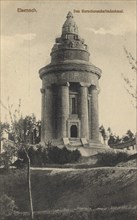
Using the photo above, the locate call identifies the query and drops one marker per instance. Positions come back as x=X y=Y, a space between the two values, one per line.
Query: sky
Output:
x=27 y=39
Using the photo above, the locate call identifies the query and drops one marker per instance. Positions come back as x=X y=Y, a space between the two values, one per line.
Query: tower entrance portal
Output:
x=73 y=131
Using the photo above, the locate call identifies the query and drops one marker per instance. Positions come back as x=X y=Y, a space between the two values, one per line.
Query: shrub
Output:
x=62 y=156
x=19 y=163
x=7 y=206
x=6 y=157
x=41 y=156
x=111 y=158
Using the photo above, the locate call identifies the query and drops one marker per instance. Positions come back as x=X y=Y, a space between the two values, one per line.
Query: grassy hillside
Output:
x=70 y=189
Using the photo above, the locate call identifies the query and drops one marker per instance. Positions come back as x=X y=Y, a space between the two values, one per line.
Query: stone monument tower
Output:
x=70 y=91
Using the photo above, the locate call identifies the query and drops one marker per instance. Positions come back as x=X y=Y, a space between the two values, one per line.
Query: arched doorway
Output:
x=73 y=131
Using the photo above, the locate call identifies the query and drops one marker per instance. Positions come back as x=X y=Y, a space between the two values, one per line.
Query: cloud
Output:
x=120 y=30
x=17 y=38
x=103 y=31
x=11 y=42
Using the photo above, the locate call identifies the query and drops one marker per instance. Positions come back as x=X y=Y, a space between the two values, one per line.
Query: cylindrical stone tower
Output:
x=70 y=91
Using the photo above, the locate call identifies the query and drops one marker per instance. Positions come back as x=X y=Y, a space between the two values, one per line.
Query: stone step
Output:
x=74 y=143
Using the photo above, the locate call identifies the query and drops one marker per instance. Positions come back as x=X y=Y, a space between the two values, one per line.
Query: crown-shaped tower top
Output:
x=69 y=46
x=69 y=26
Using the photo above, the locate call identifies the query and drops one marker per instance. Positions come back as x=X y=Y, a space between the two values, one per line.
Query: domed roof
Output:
x=69 y=26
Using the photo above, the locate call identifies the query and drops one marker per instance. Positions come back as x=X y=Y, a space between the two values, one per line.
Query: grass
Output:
x=91 y=188
x=113 y=213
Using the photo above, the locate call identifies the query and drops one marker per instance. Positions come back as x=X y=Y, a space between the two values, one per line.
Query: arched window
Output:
x=73 y=131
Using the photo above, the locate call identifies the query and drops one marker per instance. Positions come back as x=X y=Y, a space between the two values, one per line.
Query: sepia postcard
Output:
x=68 y=110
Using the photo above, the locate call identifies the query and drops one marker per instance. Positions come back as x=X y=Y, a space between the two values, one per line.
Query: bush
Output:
x=62 y=156
x=7 y=206
x=41 y=156
x=6 y=157
x=111 y=158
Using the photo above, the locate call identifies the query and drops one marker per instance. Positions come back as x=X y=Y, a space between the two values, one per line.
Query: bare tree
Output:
x=130 y=82
x=20 y=142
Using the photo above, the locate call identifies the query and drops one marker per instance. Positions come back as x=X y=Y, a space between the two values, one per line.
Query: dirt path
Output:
x=75 y=169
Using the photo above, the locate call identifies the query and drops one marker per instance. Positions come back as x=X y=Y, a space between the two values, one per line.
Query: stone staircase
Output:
x=75 y=142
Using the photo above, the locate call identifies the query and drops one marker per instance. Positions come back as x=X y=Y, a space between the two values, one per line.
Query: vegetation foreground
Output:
x=126 y=213
x=76 y=194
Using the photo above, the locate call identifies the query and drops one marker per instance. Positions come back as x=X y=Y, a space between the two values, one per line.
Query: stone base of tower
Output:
x=86 y=148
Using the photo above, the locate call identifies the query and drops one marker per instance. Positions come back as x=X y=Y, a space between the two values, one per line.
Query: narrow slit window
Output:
x=74 y=106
